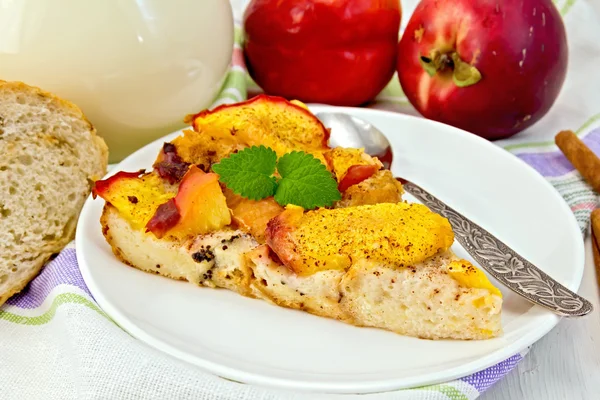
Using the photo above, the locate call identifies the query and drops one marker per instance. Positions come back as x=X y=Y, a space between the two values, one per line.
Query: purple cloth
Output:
x=554 y=163
x=482 y=380
x=62 y=270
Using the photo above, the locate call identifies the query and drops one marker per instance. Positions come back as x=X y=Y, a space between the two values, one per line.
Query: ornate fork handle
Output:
x=503 y=263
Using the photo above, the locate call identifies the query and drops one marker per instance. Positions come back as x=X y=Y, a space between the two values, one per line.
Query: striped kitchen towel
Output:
x=56 y=343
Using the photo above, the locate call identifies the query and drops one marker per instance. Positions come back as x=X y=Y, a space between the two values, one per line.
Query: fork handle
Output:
x=503 y=263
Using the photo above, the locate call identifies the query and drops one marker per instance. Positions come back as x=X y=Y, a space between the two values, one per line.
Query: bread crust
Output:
x=97 y=141
x=22 y=283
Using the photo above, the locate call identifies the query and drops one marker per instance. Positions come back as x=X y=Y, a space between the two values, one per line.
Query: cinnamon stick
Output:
x=595 y=222
x=581 y=156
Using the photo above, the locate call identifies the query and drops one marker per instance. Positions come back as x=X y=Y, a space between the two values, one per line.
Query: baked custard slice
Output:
x=387 y=266
x=367 y=259
x=394 y=269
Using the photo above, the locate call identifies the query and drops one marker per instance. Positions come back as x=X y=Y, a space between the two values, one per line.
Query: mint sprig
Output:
x=305 y=182
x=249 y=172
x=303 y=179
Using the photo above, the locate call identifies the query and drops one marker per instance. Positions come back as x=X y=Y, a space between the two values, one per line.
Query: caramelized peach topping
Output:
x=201 y=205
x=197 y=206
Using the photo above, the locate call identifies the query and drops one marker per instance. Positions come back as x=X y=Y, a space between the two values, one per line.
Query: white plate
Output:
x=254 y=342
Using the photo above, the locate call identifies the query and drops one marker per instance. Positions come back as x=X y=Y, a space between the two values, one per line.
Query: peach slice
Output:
x=340 y=159
x=355 y=175
x=400 y=234
x=252 y=216
x=283 y=239
x=264 y=120
x=135 y=195
x=351 y=166
x=203 y=149
x=201 y=207
x=466 y=274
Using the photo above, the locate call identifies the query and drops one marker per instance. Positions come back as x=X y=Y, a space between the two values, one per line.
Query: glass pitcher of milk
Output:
x=135 y=67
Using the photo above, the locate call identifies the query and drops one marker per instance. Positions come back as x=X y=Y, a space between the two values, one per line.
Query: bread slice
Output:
x=421 y=300
x=50 y=157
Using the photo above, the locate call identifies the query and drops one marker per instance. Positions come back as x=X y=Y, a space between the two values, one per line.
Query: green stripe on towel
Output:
x=449 y=391
x=63 y=298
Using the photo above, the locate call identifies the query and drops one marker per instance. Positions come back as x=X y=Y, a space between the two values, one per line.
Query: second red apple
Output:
x=492 y=68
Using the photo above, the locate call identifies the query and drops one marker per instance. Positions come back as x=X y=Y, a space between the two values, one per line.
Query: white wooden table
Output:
x=564 y=364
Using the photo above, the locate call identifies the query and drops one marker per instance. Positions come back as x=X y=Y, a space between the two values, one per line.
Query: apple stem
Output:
x=463 y=74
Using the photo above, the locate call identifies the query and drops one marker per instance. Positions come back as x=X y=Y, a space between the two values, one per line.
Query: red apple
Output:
x=489 y=67
x=339 y=52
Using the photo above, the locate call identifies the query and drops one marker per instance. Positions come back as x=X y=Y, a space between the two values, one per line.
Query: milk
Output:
x=135 y=68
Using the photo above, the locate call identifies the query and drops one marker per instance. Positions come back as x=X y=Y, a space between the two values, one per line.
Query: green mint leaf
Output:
x=249 y=172
x=305 y=182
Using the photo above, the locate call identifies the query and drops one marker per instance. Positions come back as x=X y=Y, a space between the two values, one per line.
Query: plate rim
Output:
x=231 y=373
